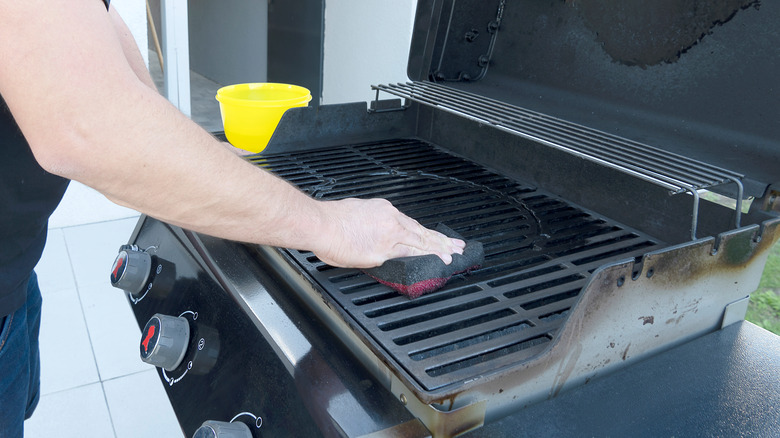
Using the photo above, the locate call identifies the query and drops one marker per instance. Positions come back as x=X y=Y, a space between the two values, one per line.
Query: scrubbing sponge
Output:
x=418 y=275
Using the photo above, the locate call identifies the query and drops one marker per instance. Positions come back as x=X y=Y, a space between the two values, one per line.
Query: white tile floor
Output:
x=93 y=383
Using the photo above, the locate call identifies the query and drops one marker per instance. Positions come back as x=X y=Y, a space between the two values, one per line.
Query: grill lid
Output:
x=685 y=76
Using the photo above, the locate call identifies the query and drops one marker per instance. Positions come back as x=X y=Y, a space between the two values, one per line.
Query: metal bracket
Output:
x=735 y=312
x=387 y=105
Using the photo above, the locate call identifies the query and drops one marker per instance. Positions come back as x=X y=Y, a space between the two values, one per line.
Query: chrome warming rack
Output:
x=677 y=173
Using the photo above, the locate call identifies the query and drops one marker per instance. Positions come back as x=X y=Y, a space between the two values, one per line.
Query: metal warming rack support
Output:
x=674 y=172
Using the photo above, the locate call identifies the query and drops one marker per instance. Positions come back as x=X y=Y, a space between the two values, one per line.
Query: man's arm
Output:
x=88 y=116
x=130 y=49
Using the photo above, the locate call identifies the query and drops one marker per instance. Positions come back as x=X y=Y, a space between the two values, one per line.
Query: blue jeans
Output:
x=20 y=363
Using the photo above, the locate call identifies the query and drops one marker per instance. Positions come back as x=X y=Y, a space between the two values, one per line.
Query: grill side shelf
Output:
x=676 y=173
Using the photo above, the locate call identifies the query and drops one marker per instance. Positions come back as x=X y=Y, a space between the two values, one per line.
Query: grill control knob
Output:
x=221 y=429
x=164 y=341
x=131 y=269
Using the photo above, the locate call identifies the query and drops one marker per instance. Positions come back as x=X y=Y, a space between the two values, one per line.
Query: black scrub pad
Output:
x=418 y=275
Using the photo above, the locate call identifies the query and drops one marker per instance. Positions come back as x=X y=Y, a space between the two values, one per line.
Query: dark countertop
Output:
x=723 y=384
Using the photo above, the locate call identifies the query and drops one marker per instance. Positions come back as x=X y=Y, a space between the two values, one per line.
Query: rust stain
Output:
x=772 y=202
x=733 y=254
x=674 y=320
x=647 y=319
x=625 y=352
x=446 y=403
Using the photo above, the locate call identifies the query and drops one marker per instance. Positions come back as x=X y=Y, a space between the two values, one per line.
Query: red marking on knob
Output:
x=118 y=265
x=148 y=337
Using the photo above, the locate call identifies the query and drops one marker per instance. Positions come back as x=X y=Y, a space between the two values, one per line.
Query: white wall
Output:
x=229 y=40
x=366 y=43
x=133 y=12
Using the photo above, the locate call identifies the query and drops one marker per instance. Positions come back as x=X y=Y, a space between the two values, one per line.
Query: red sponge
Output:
x=418 y=275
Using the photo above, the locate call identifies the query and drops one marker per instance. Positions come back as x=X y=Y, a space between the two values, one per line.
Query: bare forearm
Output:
x=104 y=126
x=88 y=112
x=159 y=162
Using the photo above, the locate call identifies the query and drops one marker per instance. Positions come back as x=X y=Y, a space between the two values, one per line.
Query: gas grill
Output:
x=591 y=188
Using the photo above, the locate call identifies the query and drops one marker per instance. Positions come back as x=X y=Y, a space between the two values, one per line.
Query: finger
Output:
x=430 y=239
x=434 y=239
x=444 y=252
x=409 y=251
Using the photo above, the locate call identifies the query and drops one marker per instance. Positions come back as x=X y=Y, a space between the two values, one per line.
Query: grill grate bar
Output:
x=438 y=350
x=539 y=252
x=523 y=350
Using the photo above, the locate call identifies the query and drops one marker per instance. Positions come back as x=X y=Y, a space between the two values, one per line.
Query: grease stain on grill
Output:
x=647 y=319
x=437 y=331
x=407 y=305
x=468 y=341
x=550 y=299
x=540 y=250
x=555 y=315
x=658 y=31
x=523 y=276
x=487 y=356
x=435 y=314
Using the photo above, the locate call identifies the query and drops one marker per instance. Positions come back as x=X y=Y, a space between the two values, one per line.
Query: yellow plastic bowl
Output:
x=250 y=112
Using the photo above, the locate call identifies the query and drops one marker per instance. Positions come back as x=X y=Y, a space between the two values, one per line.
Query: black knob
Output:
x=221 y=429
x=131 y=269
x=164 y=341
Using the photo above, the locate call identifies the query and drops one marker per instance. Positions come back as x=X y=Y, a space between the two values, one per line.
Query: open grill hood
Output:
x=690 y=77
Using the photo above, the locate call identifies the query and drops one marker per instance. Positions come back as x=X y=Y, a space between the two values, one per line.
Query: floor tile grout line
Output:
x=81 y=306
x=89 y=335
x=102 y=387
x=134 y=373
x=70 y=388
x=101 y=379
x=105 y=221
x=108 y=407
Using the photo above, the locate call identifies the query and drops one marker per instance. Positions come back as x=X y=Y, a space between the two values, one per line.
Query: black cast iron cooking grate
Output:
x=539 y=252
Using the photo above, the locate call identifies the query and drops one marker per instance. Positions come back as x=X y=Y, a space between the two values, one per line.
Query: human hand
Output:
x=365 y=233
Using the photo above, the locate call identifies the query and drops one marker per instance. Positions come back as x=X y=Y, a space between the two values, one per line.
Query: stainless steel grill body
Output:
x=565 y=294
x=583 y=176
x=583 y=154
